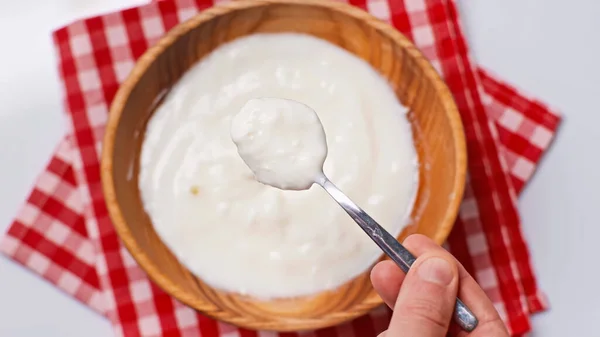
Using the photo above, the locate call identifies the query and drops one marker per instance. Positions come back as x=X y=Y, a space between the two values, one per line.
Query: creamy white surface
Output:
x=240 y=235
x=282 y=141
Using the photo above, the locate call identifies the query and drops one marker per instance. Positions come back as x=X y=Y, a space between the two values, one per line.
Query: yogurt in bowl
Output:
x=205 y=169
x=201 y=196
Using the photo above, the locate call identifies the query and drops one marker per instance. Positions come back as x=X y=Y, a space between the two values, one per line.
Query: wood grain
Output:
x=437 y=127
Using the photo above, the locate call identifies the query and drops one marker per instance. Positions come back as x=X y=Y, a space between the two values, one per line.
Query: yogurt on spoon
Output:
x=282 y=141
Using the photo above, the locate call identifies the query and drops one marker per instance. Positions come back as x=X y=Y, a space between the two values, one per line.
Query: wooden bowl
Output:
x=438 y=133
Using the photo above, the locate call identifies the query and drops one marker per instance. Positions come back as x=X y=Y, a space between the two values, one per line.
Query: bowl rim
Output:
x=145 y=61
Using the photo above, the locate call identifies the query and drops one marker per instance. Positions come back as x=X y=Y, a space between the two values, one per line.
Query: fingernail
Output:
x=436 y=270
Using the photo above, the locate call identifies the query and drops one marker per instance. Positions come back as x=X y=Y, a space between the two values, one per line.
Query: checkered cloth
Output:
x=64 y=234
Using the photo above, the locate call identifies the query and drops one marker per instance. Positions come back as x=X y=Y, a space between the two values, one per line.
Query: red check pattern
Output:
x=64 y=234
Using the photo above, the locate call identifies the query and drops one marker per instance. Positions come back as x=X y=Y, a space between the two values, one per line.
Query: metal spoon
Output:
x=463 y=316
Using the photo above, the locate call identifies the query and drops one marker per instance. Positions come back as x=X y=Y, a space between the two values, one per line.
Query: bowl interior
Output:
x=438 y=136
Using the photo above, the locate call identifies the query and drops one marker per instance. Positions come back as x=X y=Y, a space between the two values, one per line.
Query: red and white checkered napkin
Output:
x=64 y=234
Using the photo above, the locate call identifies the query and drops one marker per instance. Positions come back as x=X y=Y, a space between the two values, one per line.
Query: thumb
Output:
x=426 y=300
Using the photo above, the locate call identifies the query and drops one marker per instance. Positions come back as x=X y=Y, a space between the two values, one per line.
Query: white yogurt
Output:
x=243 y=236
x=282 y=141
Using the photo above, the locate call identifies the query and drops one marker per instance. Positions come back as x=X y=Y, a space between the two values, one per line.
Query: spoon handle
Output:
x=463 y=316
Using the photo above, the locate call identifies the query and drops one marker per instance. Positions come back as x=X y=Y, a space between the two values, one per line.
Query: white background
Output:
x=551 y=48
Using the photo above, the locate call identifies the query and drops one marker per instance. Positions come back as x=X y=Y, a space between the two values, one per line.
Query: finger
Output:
x=426 y=300
x=387 y=278
x=469 y=292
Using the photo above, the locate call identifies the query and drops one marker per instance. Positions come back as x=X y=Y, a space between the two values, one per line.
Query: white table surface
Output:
x=548 y=47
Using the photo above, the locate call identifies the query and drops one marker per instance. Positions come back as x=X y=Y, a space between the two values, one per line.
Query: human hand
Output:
x=423 y=300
